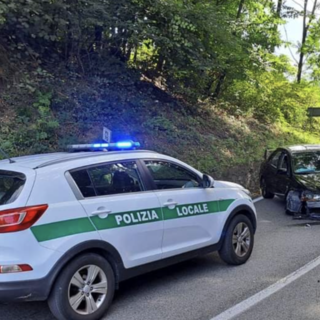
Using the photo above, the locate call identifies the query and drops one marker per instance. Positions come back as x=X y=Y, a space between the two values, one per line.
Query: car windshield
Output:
x=306 y=162
x=11 y=185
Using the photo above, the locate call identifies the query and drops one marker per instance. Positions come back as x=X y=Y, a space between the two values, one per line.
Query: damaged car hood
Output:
x=310 y=181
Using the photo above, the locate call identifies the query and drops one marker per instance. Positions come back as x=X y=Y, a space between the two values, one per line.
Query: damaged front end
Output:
x=303 y=205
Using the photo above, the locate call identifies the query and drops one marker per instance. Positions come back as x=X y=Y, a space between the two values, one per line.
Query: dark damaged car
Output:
x=293 y=173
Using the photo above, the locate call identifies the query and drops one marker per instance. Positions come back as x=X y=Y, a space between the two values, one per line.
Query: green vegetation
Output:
x=195 y=79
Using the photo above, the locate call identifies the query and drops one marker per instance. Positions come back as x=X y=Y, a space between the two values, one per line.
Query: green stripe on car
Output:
x=65 y=228
x=61 y=229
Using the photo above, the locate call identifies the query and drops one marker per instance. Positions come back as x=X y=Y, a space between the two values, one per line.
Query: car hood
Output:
x=309 y=181
x=227 y=184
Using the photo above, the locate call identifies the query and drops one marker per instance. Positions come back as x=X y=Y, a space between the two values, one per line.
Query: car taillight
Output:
x=19 y=219
x=15 y=268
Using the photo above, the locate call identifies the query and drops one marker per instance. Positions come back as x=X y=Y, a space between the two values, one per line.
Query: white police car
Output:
x=74 y=225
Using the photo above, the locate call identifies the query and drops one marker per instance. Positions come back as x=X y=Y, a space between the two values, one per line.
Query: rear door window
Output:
x=11 y=185
x=108 y=179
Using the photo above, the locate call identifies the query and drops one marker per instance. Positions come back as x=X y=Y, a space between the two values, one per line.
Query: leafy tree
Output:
x=308 y=19
x=200 y=50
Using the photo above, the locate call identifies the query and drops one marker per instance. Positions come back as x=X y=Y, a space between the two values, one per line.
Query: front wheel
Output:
x=84 y=290
x=238 y=243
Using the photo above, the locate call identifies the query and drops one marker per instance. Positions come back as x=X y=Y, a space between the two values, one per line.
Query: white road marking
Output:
x=257 y=199
x=258 y=297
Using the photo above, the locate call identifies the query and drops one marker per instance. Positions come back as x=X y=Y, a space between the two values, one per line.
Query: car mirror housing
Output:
x=207 y=181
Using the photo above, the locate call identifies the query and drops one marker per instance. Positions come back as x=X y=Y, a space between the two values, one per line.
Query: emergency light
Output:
x=121 y=145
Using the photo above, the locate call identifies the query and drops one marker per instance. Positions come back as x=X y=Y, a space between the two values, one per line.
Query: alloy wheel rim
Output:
x=87 y=289
x=241 y=239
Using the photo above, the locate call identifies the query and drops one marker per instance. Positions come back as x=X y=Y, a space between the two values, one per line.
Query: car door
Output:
x=270 y=173
x=188 y=209
x=126 y=214
x=283 y=174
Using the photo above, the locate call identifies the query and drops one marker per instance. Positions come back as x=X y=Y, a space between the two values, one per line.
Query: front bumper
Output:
x=312 y=210
x=302 y=209
x=31 y=290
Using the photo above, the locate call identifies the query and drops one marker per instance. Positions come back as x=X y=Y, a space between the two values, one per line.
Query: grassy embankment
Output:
x=75 y=110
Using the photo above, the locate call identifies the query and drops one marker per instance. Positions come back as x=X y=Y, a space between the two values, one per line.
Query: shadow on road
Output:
x=136 y=286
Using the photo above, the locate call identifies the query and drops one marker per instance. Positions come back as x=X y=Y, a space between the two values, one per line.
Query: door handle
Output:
x=100 y=212
x=170 y=204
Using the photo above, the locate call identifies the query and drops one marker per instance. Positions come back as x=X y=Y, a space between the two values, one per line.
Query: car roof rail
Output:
x=88 y=155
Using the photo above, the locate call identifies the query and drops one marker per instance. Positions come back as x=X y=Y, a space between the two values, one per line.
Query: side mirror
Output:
x=207 y=181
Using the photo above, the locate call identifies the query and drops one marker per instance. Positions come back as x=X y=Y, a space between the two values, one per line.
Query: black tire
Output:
x=264 y=190
x=59 y=298
x=228 y=251
x=289 y=213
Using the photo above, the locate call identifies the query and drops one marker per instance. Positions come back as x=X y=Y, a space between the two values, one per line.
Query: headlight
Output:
x=309 y=196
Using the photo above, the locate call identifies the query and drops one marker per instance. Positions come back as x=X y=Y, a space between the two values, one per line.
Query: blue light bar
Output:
x=124 y=144
x=100 y=145
x=121 y=145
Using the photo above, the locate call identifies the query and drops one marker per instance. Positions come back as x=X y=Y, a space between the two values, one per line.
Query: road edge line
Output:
x=267 y=292
x=257 y=199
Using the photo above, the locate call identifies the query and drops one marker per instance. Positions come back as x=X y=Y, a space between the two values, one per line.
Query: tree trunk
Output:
x=306 y=27
x=160 y=63
x=279 y=8
x=218 y=88
x=98 y=31
x=240 y=9
x=223 y=74
x=304 y=37
x=135 y=54
x=278 y=15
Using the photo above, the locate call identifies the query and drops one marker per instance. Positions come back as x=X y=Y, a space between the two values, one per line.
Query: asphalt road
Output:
x=203 y=288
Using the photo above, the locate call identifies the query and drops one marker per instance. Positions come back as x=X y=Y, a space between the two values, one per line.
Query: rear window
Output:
x=11 y=185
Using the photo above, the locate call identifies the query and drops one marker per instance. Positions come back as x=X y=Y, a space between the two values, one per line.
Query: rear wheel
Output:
x=264 y=190
x=84 y=290
x=238 y=243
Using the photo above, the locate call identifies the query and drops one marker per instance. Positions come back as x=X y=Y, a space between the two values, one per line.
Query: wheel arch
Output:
x=246 y=211
x=93 y=246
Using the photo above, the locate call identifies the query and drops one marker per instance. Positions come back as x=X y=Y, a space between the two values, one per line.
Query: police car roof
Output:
x=43 y=160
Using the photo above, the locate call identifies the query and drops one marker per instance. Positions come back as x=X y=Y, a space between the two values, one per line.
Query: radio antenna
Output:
x=6 y=156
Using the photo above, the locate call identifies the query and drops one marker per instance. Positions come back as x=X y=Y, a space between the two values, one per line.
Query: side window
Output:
x=167 y=175
x=274 y=159
x=284 y=164
x=108 y=179
x=83 y=181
